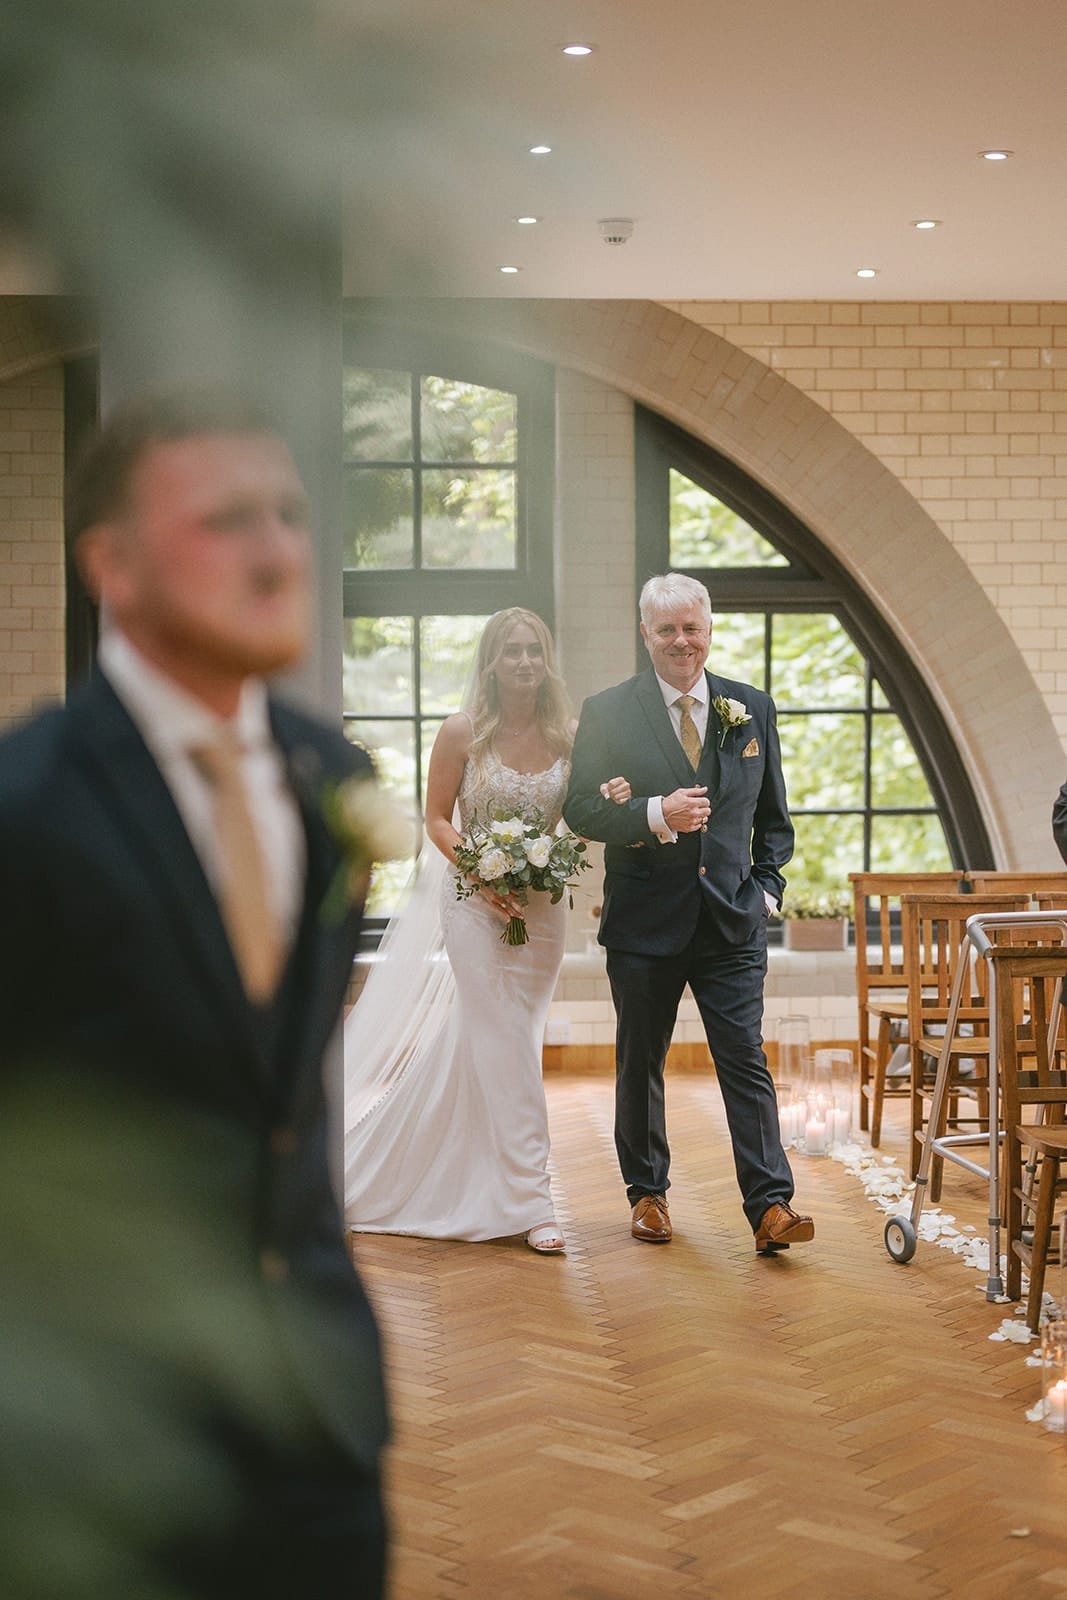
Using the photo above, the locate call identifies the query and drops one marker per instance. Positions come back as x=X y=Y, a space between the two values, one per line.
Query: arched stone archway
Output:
x=894 y=550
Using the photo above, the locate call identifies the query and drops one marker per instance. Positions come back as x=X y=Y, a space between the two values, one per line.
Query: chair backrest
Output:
x=932 y=934
x=877 y=970
x=1026 y=979
x=1031 y=883
x=876 y=967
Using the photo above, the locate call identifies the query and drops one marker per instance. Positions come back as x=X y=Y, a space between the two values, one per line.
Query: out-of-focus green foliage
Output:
x=468 y=512
x=468 y=518
x=705 y=533
x=737 y=646
x=466 y=422
x=814 y=664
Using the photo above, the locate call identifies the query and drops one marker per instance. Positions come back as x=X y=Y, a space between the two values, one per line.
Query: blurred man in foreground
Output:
x=184 y=1310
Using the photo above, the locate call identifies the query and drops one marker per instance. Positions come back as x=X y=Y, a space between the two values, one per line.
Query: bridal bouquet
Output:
x=515 y=854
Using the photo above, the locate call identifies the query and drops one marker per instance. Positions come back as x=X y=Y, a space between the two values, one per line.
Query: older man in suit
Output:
x=693 y=865
x=164 y=861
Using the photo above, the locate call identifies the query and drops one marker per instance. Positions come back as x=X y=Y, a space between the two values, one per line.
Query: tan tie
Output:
x=688 y=731
x=247 y=911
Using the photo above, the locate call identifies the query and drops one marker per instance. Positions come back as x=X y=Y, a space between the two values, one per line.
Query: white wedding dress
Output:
x=452 y=1143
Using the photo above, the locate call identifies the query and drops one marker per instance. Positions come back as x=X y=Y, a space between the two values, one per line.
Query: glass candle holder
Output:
x=815 y=1130
x=1054 y=1376
x=794 y=1051
x=834 y=1074
x=788 y=1113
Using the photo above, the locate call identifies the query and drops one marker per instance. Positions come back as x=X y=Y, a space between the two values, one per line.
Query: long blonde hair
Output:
x=553 y=707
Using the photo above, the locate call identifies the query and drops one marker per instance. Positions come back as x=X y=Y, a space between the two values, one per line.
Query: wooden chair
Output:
x=880 y=984
x=1036 y=884
x=1031 y=1078
x=932 y=929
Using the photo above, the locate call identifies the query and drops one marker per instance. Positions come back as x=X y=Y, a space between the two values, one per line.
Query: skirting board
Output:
x=587 y=1058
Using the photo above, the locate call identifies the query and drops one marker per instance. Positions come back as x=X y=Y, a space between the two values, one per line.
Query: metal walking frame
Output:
x=902 y=1232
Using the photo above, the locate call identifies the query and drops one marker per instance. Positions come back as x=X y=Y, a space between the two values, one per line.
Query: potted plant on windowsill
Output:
x=816 y=919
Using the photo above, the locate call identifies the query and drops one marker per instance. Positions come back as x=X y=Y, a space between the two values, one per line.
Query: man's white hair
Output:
x=673 y=591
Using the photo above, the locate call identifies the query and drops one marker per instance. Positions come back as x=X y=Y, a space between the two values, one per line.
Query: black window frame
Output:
x=814 y=581
x=417 y=592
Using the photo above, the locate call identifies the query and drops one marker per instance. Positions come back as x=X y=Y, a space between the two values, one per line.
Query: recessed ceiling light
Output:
x=527 y=222
x=540 y=149
x=866 y=272
x=511 y=269
x=577 y=49
x=926 y=223
x=996 y=155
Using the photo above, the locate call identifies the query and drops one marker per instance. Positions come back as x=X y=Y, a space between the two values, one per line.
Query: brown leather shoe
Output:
x=650 y=1220
x=780 y=1226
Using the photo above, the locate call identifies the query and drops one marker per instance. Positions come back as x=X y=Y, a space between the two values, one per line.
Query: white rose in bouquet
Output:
x=510 y=828
x=492 y=864
x=538 y=850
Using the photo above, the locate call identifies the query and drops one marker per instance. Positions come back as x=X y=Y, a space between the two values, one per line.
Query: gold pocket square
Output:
x=751 y=749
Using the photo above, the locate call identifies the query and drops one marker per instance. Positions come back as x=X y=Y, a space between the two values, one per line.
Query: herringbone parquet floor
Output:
x=677 y=1422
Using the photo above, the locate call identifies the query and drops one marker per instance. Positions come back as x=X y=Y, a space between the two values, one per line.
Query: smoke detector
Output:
x=615 y=230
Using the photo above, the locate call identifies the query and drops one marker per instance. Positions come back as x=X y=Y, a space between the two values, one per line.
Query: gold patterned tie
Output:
x=246 y=907
x=688 y=731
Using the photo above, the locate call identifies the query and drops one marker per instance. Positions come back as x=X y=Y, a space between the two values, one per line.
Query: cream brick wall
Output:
x=595 y=531
x=31 y=542
x=966 y=404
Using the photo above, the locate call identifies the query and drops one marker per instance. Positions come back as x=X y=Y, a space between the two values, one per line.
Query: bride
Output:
x=446 y=1126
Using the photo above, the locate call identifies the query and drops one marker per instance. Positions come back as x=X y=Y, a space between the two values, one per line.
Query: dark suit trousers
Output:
x=727 y=984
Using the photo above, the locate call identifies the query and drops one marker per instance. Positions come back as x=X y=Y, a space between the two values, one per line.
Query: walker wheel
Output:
x=900 y=1239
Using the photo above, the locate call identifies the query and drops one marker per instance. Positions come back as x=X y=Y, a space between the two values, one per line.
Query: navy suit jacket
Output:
x=653 y=893
x=117 y=976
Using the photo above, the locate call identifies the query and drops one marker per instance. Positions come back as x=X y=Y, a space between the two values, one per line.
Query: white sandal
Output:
x=547 y=1240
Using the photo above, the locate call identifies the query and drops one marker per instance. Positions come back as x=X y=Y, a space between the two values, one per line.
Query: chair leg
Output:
x=946 y=1119
x=1012 y=1208
x=1043 y=1209
x=916 y=1064
x=883 y=1050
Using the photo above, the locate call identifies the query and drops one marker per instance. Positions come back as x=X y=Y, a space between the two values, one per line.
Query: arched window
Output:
x=448 y=518
x=874 y=779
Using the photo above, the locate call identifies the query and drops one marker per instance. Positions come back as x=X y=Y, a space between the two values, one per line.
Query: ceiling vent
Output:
x=615 y=230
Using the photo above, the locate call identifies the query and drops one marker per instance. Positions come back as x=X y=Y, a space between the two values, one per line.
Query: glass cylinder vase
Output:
x=1054 y=1376
x=814 y=1134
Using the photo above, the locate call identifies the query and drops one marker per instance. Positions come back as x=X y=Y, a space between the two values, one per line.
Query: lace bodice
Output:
x=503 y=788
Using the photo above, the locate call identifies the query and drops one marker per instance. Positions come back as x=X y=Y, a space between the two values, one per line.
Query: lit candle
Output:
x=815 y=1135
x=1056 y=1406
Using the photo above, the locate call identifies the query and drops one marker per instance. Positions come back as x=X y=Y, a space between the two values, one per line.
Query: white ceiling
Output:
x=765 y=150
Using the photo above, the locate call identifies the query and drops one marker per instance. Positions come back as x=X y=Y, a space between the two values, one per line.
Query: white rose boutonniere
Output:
x=366 y=828
x=731 y=714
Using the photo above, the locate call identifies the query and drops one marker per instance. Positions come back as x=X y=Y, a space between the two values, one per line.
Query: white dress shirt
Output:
x=172 y=724
x=699 y=713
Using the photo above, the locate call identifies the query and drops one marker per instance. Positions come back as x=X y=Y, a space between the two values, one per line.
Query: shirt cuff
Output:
x=656 y=824
x=772 y=904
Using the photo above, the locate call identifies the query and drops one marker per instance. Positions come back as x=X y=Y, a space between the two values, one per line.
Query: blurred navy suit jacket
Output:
x=117 y=972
